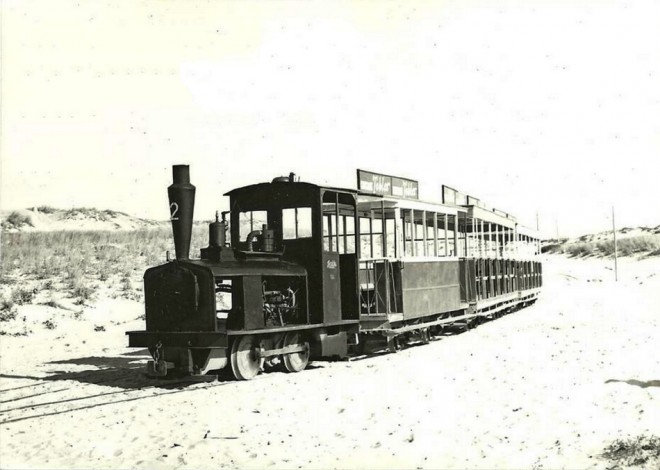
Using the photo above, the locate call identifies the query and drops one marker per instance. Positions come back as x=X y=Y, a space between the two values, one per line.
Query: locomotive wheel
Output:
x=245 y=364
x=295 y=362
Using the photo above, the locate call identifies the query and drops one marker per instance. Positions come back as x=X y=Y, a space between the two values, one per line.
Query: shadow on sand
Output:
x=126 y=372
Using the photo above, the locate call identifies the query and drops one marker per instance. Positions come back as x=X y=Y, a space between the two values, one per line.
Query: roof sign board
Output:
x=457 y=198
x=387 y=185
x=452 y=196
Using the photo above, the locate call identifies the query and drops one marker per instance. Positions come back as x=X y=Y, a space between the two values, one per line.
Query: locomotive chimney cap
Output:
x=181 y=174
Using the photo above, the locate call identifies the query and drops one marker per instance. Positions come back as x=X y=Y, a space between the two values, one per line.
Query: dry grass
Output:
x=629 y=246
x=641 y=451
x=642 y=244
x=82 y=262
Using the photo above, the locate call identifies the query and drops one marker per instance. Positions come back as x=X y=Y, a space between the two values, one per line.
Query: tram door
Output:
x=338 y=244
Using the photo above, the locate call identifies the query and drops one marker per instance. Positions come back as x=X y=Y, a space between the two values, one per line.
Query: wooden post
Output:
x=616 y=274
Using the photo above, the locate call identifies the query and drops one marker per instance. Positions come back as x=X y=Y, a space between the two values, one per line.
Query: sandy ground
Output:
x=545 y=387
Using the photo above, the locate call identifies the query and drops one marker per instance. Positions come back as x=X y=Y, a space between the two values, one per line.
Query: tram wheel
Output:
x=295 y=362
x=245 y=364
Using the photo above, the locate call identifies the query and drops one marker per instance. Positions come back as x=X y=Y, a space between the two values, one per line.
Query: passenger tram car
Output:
x=314 y=272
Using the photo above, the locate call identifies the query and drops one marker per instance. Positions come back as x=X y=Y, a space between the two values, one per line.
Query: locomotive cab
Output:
x=306 y=225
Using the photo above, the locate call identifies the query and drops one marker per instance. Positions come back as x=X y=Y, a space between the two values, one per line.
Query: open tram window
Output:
x=349 y=236
x=365 y=238
x=431 y=229
x=391 y=243
x=407 y=232
x=377 y=231
x=372 y=235
x=418 y=233
x=451 y=235
x=345 y=230
x=443 y=245
x=296 y=223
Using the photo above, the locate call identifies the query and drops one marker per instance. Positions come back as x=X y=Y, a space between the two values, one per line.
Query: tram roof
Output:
x=492 y=216
x=368 y=202
x=528 y=231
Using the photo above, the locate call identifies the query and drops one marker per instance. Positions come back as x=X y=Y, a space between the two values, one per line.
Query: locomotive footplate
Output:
x=189 y=339
x=342 y=324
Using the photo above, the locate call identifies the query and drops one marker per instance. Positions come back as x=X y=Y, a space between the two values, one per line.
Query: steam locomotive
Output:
x=313 y=272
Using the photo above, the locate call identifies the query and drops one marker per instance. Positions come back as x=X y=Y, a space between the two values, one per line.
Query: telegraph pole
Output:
x=616 y=274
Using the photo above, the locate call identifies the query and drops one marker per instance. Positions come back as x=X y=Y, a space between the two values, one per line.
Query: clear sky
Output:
x=533 y=106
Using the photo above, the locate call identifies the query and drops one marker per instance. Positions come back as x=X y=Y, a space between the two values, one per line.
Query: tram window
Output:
x=407 y=232
x=365 y=237
x=418 y=234
x=451 y=225
x=341 y=230
x=329 y=239
x=430 y=234
x=391 y=238
x=296 y=223
x=250 y=221
x=441 y=235
x=349 y=225
x=377 y=236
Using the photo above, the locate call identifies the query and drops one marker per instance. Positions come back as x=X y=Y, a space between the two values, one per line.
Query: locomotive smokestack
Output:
x=182 y=204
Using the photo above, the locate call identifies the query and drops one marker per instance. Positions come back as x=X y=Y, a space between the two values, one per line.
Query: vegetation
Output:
x=82 y=262
x=648 y=244
x=7 y=310
x=635 y=452
x=633 y=245
x=15 y=220
x=45 y=209
x=21 y=295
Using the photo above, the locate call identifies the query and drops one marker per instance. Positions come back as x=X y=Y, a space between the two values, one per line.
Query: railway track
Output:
x=29 y=406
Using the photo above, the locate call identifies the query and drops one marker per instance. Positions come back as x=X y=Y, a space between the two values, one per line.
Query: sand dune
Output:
x=51 y=219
